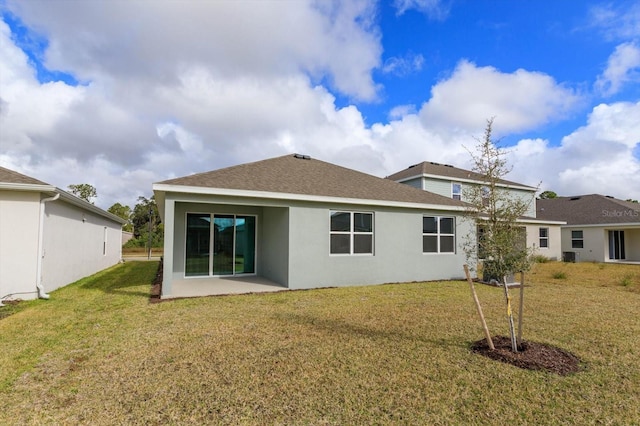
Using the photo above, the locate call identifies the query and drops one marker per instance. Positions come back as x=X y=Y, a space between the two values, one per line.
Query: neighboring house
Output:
x=542 y=234
x=50 y=238
x=302 y=223
x=598 y=228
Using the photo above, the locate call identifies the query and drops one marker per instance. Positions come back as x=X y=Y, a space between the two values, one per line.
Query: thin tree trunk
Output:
x=479 y=308
x=521 y=310
x=512 y=331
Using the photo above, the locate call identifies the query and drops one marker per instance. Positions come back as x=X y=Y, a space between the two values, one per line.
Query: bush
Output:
x=560 y=276
x=540 y=258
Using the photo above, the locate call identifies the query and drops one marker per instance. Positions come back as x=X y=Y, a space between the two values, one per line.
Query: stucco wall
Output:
x=554 y=251
x=594 y=244
x=632 y=239
x=273 y=245
x=19 y=222
x=74 y=244
x=397 y=255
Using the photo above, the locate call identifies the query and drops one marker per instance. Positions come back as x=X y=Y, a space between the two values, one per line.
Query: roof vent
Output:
x=435 y=164
x=413 y=165
x=302 y=157
x=609 y=196
x=448 y=165
x=574 y=198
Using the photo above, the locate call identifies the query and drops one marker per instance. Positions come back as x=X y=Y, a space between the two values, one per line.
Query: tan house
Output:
x=598 y=228
x=50 y=238
x=542 y=233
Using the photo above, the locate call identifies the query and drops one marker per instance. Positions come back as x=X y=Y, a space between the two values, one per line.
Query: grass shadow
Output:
x=120 y=279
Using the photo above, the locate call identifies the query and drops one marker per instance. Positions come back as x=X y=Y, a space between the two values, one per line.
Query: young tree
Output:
x=144 y=213
x=123 y=212
x=500 y=243
x=84 y=191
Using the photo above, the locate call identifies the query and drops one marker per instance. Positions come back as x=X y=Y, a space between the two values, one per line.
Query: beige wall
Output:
x=19 y=221
x=554 y=251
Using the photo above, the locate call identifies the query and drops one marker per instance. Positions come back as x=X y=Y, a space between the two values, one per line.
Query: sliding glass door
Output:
x=616 y=245
x=230 y=244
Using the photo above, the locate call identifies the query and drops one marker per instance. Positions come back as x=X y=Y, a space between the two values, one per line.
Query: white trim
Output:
x=606 y=225
x=299 y=197
x=457 y=179
x=352 y=233
x=27 y=187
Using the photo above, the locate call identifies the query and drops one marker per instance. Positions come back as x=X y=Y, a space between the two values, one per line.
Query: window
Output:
x=577 y=240
x=220 y=244
x=104 y=241
x=544 y=237
x=351 y=233
x=456 y=191
x=438 y=234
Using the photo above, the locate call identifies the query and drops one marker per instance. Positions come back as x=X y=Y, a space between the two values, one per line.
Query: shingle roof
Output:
x=292 y=175
x=9 y=176
x=593 y=209
x=437 y=169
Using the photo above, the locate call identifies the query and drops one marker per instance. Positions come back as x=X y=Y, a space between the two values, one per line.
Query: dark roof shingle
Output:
x=593 y=209
x=292 y=175
x=9 y=176
x=445 y=170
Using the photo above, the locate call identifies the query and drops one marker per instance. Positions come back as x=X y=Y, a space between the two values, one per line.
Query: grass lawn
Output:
x=98 y=352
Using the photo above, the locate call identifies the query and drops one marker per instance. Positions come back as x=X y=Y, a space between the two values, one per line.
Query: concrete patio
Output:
x=195 y=287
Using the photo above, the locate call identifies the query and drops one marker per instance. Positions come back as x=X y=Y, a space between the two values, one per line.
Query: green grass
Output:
x=98 y=352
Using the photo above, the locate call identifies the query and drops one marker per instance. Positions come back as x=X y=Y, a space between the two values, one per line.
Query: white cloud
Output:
x=401 y=66
x=434 y=9
x=623 y=67
x=519 y=101
x=616 y=22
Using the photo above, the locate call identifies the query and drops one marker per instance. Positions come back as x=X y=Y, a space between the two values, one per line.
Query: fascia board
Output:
x=27 y=187
x=299 y=197
x=72 y=199
x=606 y=225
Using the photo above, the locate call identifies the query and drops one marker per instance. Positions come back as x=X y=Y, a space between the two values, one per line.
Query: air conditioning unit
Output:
x=569 y=256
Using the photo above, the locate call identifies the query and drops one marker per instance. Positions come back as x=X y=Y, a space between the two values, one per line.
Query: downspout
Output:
x=39 y=286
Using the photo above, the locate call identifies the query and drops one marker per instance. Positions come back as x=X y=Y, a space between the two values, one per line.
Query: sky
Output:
x=122 y=94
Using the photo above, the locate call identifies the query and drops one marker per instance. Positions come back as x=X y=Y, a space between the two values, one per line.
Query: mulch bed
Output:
x=530 y=356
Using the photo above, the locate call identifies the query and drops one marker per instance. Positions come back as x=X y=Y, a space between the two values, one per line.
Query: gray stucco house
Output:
x=301 y=223
x=50 y=238
x=598 y=228
x=542 y=233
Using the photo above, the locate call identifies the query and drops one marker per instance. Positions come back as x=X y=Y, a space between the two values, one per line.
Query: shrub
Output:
x=560 y=276
x=540 y=258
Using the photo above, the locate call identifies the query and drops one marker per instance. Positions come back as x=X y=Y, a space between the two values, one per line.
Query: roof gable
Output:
x=430 y=168
x=302 y=175
x=592 y=209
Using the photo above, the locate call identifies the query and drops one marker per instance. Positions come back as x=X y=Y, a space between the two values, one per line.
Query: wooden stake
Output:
x=521 y=310
x=479 y=308
x=512 y=331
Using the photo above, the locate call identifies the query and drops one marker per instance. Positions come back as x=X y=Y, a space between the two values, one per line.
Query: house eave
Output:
x=605 y=225
x=473 y=181
x=297 y=197
x=72 y=199
x=30 y=187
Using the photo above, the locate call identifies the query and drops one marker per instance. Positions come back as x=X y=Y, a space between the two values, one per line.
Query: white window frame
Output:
x=352 y=233
x=456 y=195
x=576 y=239
x=439 y=234
x=543 y=238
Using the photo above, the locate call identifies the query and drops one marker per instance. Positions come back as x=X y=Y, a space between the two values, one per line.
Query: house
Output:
x=300 y=223
x=542 y=234
x=50 y=238
x=598 y=228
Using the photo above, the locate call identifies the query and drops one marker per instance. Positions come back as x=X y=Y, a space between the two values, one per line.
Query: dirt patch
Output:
x=156 y=285
x=530 y=356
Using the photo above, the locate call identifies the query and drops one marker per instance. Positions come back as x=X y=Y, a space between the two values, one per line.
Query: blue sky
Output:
x=121 y=94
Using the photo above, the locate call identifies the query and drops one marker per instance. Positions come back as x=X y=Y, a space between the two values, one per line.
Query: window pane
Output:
x=341 y=221
x=340 y=244
x=544 y=232
x=363 y=222
x=363 y=243
x=446 y=225
x=429 y=244
x=544 y=243
x=577 y=244
x=198 y=239
x=446 y=245
x=223 y=236
x=245 y=244
x=576 y=234
x=429 y=225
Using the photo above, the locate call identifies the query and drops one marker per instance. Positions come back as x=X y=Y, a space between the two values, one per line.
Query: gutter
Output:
x=39 y=286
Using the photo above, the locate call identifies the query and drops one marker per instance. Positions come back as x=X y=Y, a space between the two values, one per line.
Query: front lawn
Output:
x=98 y=352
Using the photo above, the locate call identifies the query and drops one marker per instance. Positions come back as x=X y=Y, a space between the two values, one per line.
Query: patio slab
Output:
x=196 y=287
